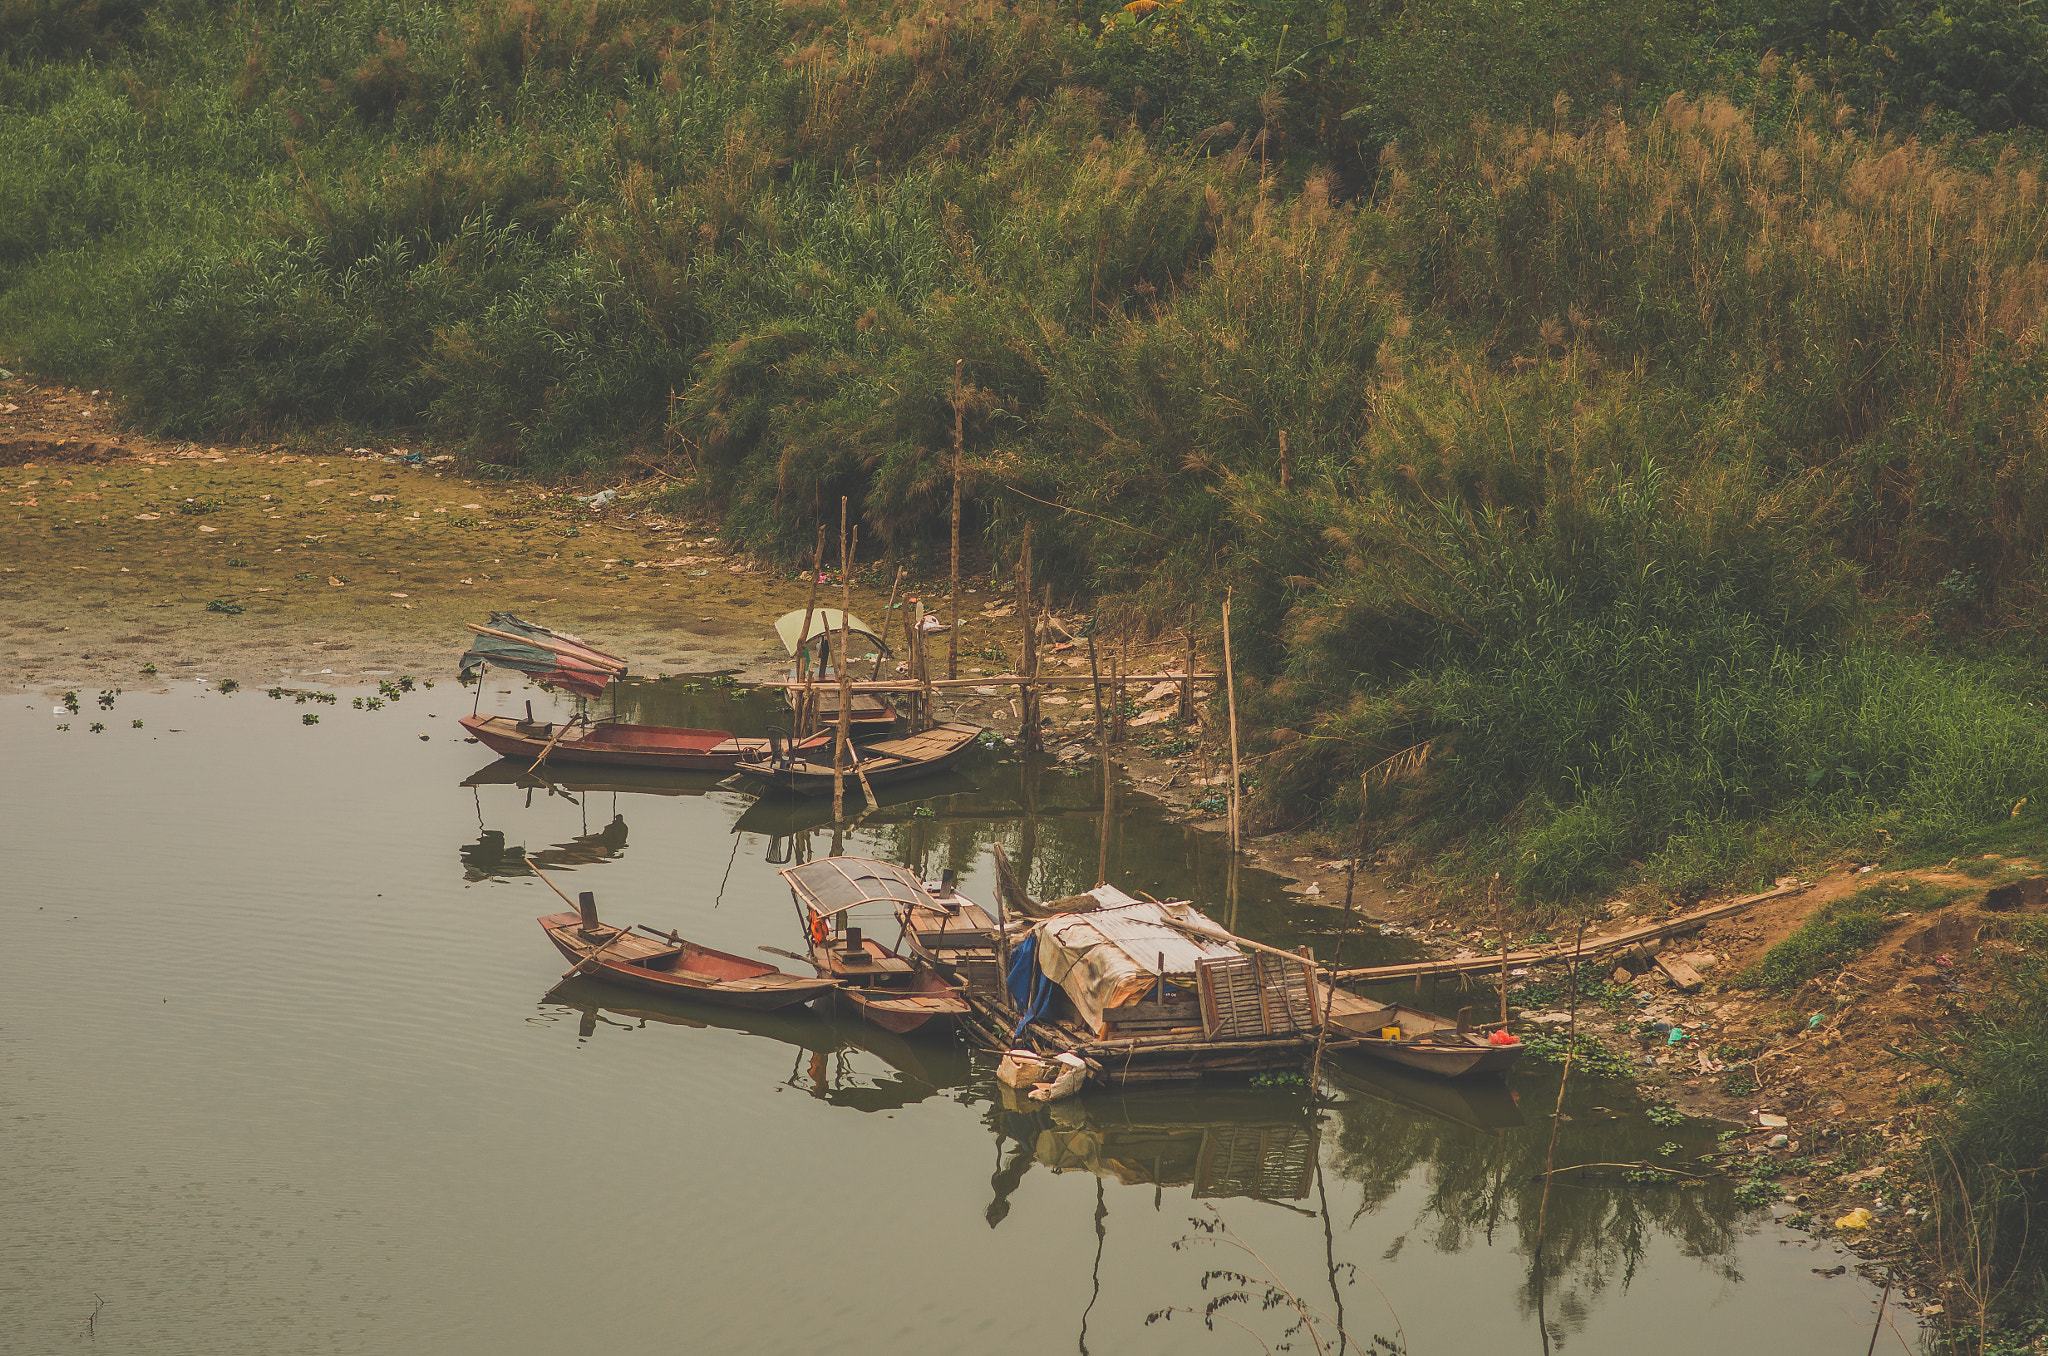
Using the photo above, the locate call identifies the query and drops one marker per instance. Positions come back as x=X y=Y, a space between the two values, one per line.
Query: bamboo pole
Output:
x=1315 y=1076
x=1108 y=807
x=1095 y=682
x=888 y=615
x=1009 y=680
x=924 y=667
x=803 y=638
x=953 y=632
x=1123 y=678
x=1030 y=705
x=1500 y=927
x=1230 y=687
x=845 y=672
x=1187 y=684
x=845 y=697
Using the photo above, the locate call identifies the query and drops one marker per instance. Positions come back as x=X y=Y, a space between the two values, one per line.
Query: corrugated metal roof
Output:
x=840 y=883
x=1138 y=930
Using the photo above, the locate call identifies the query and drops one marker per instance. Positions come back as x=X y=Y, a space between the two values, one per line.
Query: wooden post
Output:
x=1123 y=679
x=1187 y=682
x=1230 y=690
x=845 y=689
x=1095 y=684
x=1108 y=804
x=1027 y=690
x=803 y=639
x=887 y=615
x=924 y=669
x=1286 y=463
x=1500 y=926
x=953 y=634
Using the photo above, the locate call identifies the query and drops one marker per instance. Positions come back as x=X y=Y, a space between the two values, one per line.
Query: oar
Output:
x=551 y=741
x=778 y=951
x=617 y=933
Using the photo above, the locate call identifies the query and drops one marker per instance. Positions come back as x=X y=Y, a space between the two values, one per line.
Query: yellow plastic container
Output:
x=1390 y=1033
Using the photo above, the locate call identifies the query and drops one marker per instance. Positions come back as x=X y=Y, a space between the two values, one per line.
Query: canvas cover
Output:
x=555 y=658
x=824 y=622
x=1114 y=955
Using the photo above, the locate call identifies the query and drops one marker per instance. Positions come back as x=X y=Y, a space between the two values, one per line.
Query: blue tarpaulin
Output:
x=1030 y=990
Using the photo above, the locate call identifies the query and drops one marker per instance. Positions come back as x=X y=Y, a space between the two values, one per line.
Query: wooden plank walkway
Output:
x=1547 y=955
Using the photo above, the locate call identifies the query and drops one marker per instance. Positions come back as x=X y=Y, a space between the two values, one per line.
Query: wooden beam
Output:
x=1679 y=973
x=1547 y=955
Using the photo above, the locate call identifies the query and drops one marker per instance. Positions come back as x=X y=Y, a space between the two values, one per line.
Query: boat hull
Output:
x=761 y=989
x=616 y=745
x=887 y=762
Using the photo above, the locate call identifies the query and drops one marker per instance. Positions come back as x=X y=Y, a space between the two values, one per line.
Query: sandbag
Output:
x=1072 y=1072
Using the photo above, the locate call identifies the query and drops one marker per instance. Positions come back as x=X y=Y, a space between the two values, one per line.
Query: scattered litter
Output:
x=598 y=500
x=1767 y=1121
x=1859 y=1218
x=1778 y=1141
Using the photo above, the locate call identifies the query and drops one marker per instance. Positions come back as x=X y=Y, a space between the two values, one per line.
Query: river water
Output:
x=284 y=1067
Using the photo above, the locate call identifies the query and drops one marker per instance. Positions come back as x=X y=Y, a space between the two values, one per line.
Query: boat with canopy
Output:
x=557 y=659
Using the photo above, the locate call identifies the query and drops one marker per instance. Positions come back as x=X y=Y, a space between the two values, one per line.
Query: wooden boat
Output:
x=806 y=770
x=894 y=992
x=953 y=935
x=1198 y=1001
x=615 y=744
x=1444 y=1046
x=866 y=711
x=673 y=966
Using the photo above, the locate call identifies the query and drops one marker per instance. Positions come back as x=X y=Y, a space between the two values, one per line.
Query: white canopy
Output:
x=824 y=622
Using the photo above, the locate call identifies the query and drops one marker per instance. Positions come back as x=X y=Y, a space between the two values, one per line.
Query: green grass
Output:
x=1842 y=930
x=1823 y=943
x=1635 y=443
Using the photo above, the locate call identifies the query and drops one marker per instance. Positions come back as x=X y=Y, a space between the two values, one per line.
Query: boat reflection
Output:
x=630 y=780
x=846 y=1064
x=1242 y=1142
x=491 y=858
x=1485 y=1106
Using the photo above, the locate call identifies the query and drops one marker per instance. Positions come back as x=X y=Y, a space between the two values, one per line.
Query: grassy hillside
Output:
x=1628 y=416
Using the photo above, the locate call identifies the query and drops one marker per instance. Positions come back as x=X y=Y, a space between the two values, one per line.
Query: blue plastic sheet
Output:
x=1030 y=990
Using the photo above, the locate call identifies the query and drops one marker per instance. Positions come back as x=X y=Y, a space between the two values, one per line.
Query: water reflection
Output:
x=1225 y=1142
x=1483 y=1165
x=844 y=1064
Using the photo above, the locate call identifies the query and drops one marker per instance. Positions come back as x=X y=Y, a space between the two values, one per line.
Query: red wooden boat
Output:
x=673 y=966
x=613 y=743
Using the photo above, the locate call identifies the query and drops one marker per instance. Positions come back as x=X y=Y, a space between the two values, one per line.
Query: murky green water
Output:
x=283 y=1068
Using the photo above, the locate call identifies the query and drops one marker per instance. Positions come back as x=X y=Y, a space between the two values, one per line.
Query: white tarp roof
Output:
x=1113 y=955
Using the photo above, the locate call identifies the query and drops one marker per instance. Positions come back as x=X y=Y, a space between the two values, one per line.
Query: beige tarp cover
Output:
x=1111 y=956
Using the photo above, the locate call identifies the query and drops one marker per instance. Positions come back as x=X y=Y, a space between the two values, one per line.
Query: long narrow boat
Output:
x=1423 y=1041
x=673 y=966
x=807 y=769
x=615 y=744
x=894 y=992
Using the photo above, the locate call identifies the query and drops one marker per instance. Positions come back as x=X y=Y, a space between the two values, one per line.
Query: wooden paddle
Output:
x=565 y=727
x=617 y=933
